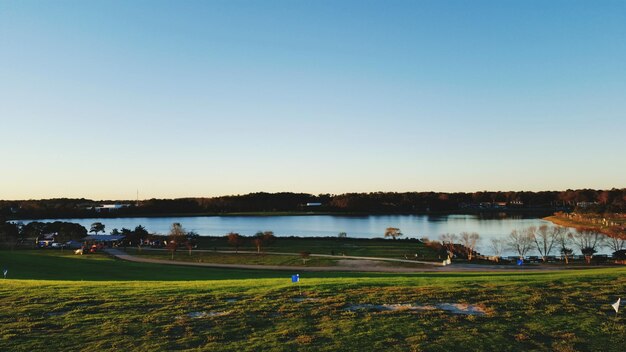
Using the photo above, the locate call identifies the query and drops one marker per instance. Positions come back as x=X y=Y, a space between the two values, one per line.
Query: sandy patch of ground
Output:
x=454 y=308
x=361 y=264
x=305 y=299
x=197 y=315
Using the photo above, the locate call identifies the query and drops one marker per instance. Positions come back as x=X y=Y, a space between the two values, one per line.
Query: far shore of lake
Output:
x=529 y=213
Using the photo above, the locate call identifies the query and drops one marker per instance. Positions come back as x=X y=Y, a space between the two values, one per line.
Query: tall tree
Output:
x=66 y=230
x=587 y=240
x=544 y=238
x=177 y=233
x=97 y=227
x=33 y=229
x=176 y=237
x=136 y=236
x=520 y=241
x=564 y=243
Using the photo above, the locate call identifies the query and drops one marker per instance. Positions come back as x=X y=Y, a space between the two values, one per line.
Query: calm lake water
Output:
x=412 y=226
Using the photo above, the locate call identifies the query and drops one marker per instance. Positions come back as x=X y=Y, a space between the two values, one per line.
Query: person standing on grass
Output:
x=6 y=271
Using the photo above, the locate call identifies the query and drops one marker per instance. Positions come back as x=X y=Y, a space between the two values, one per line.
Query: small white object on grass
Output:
x=614 y=305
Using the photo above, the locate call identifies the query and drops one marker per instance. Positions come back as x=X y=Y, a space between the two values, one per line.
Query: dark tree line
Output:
x=584 y=200
x=12 y=234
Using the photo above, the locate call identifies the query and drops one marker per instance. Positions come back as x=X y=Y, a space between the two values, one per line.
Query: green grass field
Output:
x=349 y=246
x=56 y=301
x=200 y=256
x=234 y=258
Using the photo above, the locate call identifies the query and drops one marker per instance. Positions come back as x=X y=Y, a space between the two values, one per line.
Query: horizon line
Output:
x=312 y=194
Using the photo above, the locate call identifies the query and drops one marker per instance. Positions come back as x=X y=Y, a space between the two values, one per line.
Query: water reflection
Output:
x=413 y=226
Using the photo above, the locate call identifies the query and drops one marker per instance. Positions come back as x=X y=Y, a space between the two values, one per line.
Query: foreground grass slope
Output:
x=134 y=307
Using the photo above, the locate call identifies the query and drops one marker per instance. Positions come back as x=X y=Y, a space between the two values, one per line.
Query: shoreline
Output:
x=577 y=224
x=558 y=221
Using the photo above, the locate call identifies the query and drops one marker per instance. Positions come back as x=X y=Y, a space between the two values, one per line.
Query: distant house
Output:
x=586 y=204
x=106 y=208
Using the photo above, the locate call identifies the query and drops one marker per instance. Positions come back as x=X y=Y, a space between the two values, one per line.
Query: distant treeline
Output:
x=584 y=200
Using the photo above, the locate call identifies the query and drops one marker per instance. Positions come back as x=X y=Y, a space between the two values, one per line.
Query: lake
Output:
x=412 y=226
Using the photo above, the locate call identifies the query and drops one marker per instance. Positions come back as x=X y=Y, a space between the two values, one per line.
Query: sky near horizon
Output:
x=99 y=99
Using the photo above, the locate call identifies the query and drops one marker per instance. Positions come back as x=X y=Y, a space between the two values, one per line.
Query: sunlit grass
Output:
x=131 y=308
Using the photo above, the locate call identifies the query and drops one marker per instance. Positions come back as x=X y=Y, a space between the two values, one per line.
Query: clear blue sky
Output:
x=203 y=98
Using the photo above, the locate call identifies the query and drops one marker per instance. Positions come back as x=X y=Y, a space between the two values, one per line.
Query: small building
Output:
x=586 y=204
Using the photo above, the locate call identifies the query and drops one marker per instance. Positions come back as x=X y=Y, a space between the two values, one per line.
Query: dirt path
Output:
x=351 y=263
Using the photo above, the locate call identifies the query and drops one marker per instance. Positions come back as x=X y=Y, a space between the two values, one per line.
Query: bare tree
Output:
x=520 y=242
x=616 y=240
x=469 y=242
x=615 y=243
x=497 y=247
x=393 y=232
x=566 y=253
x=544 y=238
x=587 y=240
x=564 y=242
x=448 y=240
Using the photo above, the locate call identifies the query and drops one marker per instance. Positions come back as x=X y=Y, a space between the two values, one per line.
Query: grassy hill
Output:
x=60 y=302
